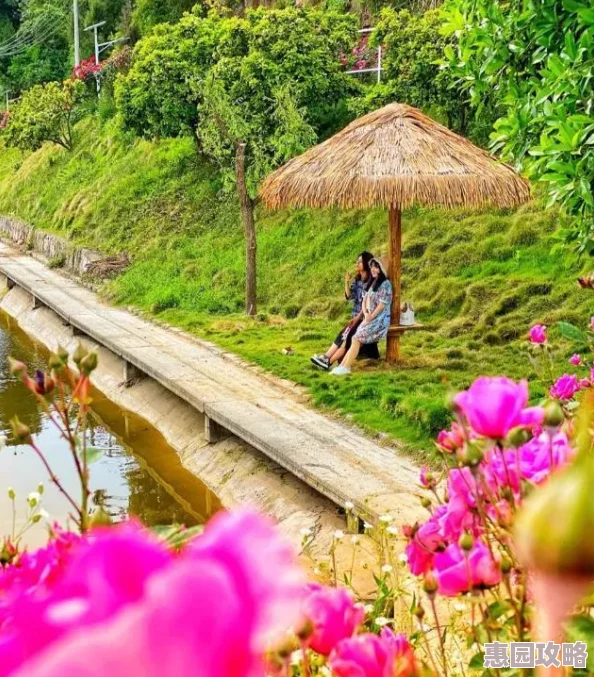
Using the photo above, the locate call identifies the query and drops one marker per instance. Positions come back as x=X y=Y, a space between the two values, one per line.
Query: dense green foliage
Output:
x=44 y=113
x=160 y=94
x=532 y=62
x=276 y=85
x=478 y=281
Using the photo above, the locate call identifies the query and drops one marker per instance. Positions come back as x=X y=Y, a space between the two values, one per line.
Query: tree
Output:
x=46 y=25
x=44 y=113
x=159 y=95
x=276 y=87
x=150 y=13
x=531 y=62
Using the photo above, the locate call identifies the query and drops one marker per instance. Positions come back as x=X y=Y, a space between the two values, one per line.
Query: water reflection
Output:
x=138 y=474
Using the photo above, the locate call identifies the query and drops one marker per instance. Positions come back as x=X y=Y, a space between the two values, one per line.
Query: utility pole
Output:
x=94 y=28
x=76 y=33
x=101 y=46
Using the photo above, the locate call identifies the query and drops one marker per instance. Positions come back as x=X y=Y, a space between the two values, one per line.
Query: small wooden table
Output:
x=395 y=332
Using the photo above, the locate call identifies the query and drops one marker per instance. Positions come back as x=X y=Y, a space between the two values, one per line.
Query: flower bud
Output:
x=306 y=631
x=466 y=541
x=62 y=353
x=89 y=363
x=426 y=502
x=430 y=584
x=553 y=530
x=55 y=362
x=472 y=454
x=419 y=612
x=100 y=518
x=517 y=437
x=20 y=431
x=79 y=354
x=505 y=565
x=553 y=414
x=287 y=647
x=16 y=367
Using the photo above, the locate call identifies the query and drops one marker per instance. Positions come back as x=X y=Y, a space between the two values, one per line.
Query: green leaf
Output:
x=94 y=454
x=477 y=661
x=587 y=16
x=571 y=332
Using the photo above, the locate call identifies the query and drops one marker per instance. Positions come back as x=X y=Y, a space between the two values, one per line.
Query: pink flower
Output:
x=406 y=664
x=538 y=334
x=565 y=387
x=457 y=571
x=263 y=563
x=426 y=540
x=363 y=656
x=127 y=600
x=89 y=590
x=575 y=359
x=334 y=615
x=193 y=620
x=424 y=477
x=453 y=439
x=539 y=457
x=493 y=406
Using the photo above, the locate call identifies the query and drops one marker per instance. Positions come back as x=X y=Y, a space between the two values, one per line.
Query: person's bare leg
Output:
x=337 y=355
x=332 y=351
x=351 y=356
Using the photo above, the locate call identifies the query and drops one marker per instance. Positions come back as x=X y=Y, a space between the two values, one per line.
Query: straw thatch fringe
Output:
x=395 y=157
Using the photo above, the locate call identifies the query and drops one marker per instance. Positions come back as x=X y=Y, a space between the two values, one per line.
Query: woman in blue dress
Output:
x=376 y=316
x=354 y=292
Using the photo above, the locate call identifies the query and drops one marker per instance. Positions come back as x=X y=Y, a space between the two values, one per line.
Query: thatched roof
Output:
x=395 y=156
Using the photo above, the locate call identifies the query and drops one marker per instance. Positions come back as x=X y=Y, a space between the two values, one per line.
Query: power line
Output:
x=30 y=36
x=31 y=40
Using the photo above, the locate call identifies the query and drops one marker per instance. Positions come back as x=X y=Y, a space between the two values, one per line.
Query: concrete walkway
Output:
x=325 y=454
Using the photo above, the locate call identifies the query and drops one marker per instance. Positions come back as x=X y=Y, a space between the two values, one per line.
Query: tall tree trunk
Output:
x=246 y=205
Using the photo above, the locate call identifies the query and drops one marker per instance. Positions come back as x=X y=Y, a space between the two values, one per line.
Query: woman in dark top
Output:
x=354 y=291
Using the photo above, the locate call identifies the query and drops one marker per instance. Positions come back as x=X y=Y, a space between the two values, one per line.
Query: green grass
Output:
x=477 y=280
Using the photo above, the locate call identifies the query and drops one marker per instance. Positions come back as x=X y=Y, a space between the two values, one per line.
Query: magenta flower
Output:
x=154 y=609
x=457 y=571
x=493 y=406
x=334 y=614
x=405 y=662
x=423 y=545
x=363 y=656
x=538 y=334
x=450 y=440
x=423 y=477
x=575 y=359
x=263 y=563
x=565 y=387
x=186 y=624
x=86 y=592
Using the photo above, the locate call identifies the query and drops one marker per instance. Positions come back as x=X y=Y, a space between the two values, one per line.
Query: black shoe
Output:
x=321 y=361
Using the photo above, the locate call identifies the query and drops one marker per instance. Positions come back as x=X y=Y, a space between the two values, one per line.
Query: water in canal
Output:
x=139 y=473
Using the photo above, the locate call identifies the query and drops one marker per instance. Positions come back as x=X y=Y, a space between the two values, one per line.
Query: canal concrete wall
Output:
x=237 y=473
x=47 y=246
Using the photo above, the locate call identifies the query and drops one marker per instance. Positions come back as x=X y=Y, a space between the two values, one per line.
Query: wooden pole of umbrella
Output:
x=395 y=157
x=395 y=270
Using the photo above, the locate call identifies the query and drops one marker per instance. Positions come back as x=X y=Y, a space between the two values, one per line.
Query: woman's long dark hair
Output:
x=365 y=257
x=375 y=284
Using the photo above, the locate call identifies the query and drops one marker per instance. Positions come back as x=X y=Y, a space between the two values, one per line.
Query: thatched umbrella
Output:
x=394 y=157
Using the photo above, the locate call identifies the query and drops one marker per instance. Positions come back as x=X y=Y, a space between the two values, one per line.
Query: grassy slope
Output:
x=477 y=280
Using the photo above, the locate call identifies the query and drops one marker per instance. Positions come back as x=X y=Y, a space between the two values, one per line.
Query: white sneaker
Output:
x=340 y=371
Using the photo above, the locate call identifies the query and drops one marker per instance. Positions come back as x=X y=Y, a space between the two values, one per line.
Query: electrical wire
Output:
x=30 y=39
x=30 y=36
